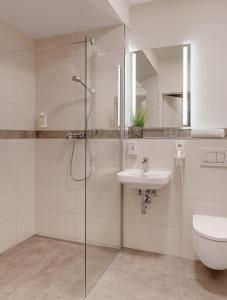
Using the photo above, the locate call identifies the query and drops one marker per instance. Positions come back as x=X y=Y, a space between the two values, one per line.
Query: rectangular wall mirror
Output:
x=158 y=88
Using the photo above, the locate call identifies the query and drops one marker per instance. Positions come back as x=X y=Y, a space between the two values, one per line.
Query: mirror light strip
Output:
x=133 y=83
x=185 y=85
x=118 y=95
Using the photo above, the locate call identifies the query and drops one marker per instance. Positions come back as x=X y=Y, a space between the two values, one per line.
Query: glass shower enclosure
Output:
x=74 y=85
x=103 y=158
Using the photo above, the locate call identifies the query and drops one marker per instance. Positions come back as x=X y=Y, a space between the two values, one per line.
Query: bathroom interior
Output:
x=113 y=149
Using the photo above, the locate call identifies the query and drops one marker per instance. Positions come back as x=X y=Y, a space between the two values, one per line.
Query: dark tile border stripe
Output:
x=154 y=133
x=51 y=134
x=103 y=134
x=17 y=134
x=91 y=134
x=57 y=134
x=169 y=133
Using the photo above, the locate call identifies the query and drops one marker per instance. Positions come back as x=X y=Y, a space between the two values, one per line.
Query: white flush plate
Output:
x=213 y=157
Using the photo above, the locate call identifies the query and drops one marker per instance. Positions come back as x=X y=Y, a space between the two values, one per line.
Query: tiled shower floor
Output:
x=46 y=269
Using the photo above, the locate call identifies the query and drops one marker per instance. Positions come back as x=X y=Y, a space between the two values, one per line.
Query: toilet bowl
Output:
x=210 y=241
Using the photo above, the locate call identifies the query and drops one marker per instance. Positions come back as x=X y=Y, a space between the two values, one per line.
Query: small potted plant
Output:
x=137 y=120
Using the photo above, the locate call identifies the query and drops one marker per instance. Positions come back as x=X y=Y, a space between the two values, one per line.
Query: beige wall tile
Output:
x=210 y=208
x=17 y=157
x=8 y=234
x=162 y=210
x=56 y=199
x=13 y=116
x=8 y=207
x=63 y=117
x=25 y=225
x=59 y=94
x=160 y=239
x=186 y=247
x=25 y=199
x=100 y=231
x=56 y=224
x=203 y=192
x=99 y=203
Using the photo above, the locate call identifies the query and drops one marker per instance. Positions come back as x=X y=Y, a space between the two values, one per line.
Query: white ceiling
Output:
x=44 y=18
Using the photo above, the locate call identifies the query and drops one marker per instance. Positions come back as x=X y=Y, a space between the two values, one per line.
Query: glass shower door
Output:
x=103 y=158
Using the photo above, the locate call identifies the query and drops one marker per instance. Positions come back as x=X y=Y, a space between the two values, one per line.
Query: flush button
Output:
x=213 y=157
x=220 y=157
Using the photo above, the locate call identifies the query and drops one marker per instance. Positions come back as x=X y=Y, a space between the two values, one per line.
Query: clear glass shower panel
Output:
x=103 y=155
x=60 y=161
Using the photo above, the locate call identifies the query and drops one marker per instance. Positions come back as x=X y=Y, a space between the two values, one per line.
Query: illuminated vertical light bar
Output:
x=118 y=95
x=185 y=85
x=133 y=83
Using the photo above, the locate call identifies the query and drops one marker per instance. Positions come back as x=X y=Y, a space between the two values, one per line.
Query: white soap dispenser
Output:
x=43 y=120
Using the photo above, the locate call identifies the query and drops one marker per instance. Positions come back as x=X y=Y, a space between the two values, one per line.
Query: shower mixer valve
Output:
x=75 y=135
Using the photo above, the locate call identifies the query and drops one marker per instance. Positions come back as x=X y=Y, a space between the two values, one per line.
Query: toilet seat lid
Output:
x=212 y=228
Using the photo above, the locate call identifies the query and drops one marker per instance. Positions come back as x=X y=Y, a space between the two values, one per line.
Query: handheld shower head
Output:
x=78 y=79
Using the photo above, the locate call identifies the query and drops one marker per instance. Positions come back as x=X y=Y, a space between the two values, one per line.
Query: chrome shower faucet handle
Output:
x=145 y=164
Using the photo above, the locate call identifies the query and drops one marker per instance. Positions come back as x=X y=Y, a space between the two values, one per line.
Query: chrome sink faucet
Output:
x=145 y=164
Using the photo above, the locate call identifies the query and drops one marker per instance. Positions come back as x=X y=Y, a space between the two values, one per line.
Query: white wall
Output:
x=167 y=226
x=17 y=156
x=47 y=83
x=60 y=201
x=61 y=98
x=17 y=81
x=202 y=23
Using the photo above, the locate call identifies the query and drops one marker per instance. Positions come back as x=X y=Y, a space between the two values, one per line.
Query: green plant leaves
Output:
x=138 y=119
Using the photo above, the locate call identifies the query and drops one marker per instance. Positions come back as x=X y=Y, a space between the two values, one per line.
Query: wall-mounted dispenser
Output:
x=180 y=157
x=132 y=148
x=43 y=120
x=180 y=150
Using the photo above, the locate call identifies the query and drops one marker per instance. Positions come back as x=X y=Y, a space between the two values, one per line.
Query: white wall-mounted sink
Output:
x=152 y=179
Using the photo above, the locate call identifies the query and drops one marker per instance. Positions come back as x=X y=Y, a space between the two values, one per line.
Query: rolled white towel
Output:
x=208 y=133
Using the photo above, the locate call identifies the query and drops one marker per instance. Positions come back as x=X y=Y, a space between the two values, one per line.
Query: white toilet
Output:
x=210 y=241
